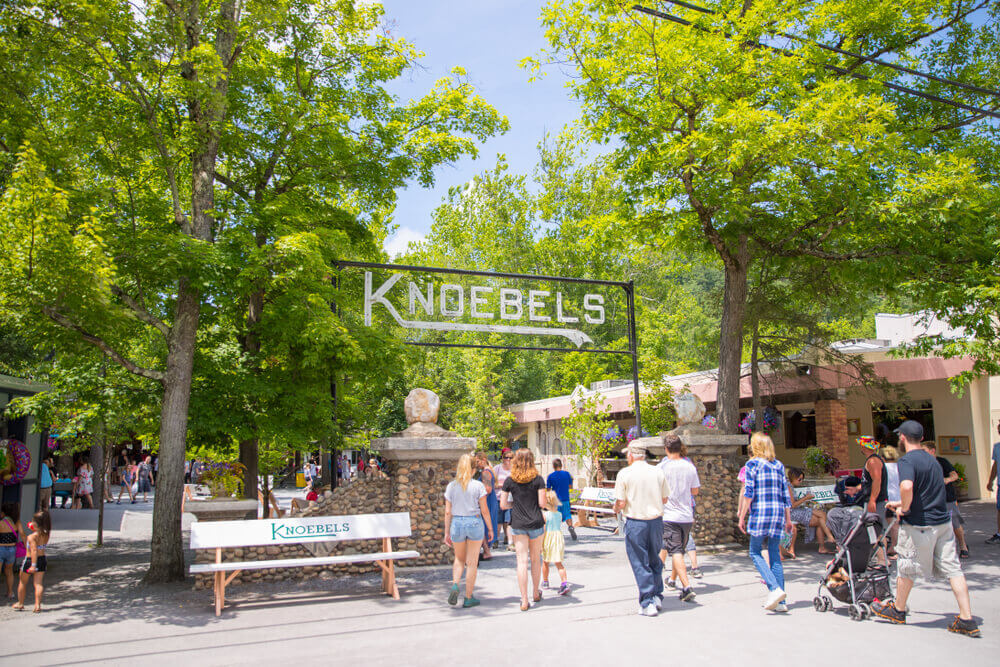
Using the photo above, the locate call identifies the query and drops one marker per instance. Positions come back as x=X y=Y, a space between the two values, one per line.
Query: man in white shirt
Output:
x=640 y=492
x=678 y=513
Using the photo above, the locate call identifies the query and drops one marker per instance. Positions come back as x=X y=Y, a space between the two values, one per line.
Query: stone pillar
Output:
x=718 y=458
x=718 y=465
x=831 y=429
x=420 y=469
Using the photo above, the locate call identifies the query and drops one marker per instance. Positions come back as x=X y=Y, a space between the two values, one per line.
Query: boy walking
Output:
x=678 y=513
x=926 y=539
x=561 y=482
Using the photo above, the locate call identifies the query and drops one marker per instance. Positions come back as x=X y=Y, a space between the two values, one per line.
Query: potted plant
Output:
x=962 y=485
x=819 y=466
x=225 y=482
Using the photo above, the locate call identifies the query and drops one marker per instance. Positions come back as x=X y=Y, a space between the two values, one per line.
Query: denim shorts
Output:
x=532 y=533
x=7 y=555
x=467 y=528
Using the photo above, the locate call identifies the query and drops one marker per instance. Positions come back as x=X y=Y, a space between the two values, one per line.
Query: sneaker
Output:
x=572 y=532
x=695 y=572
x=782 y=608
x=671 y=584
x=963 y=627
x=564 y=588
x=773 y=598
x=510 y=547
x=545 y=584
x=453 y=595
x=994 y=540
x=648 y=610
x=888 y=611
x=470 y=602
x=658 y=601
x=687 y=595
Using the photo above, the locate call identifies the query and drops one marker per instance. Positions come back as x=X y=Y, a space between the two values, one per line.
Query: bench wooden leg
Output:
x=584 y=521
x=220 y=586
x=219 y=593
x=389 y=571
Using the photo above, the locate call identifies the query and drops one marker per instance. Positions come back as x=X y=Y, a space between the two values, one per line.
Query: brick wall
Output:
x=831 y=429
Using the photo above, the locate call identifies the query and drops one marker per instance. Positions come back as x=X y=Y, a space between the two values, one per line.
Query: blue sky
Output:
x=488 y=38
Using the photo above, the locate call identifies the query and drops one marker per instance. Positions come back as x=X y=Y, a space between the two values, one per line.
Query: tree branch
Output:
x=102 y=345
x=140 y=311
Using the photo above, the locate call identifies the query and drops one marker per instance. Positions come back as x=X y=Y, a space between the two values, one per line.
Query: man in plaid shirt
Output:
x=766 y=499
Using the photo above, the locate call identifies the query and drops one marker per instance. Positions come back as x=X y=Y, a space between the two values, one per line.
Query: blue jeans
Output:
x=774 y=576
x=643 y=541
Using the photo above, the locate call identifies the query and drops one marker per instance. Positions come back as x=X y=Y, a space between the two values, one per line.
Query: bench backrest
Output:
x=595 y=494
x=269 y=532
x=821 y=494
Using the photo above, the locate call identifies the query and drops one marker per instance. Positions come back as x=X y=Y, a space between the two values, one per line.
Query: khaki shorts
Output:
x=927 y=550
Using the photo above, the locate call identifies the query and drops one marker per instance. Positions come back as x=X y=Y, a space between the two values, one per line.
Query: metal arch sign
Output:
x=510 y=305
x=503 y=310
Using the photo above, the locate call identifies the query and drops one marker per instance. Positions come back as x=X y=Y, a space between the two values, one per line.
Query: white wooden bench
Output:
x=599 y=501
x=221 y=535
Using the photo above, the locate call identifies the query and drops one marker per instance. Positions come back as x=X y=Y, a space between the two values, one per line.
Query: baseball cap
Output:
x=635 y=450
x=913 y=431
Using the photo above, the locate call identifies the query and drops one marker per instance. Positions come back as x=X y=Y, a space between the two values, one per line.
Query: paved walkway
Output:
x=96 y=612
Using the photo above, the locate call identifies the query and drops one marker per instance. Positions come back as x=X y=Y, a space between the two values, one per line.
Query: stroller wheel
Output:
x=819 y=604
x=827 y=603
x=855 y=612
x=866 y=611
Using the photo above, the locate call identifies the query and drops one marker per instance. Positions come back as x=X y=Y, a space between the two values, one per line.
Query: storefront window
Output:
x=800 y=429
x=886 y=419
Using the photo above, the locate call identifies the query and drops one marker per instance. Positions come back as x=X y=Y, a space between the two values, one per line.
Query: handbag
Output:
x=20 y=550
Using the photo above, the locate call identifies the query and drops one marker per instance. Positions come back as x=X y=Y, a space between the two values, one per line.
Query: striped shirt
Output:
x=768 y=492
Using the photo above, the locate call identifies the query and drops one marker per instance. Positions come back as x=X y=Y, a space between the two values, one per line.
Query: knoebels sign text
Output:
x=501 y=309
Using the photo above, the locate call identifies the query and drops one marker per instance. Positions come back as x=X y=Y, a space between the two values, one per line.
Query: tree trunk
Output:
x=734 y=302
x=249 y=448
x=248 y=458
x=166 y=561
x=758 y=408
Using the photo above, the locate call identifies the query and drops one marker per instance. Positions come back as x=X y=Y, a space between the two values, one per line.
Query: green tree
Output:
x=177 y=150
x=481 y=414
x=585 y=428
x=730 y=147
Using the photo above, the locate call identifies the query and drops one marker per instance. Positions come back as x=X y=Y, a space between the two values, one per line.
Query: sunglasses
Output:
x=507 y=458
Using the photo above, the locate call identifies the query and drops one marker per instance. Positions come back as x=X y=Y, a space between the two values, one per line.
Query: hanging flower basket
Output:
x=16 y=463
x=709 y=421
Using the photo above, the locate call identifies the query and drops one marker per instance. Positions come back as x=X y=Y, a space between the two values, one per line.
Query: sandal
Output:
x=17 y=607
x=525 y=606
x=537 y=597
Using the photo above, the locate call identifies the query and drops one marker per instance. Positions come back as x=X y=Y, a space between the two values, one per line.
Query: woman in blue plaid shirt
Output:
x=765 y=497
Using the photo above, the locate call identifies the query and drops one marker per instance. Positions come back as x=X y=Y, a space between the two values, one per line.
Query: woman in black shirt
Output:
x=524 y=495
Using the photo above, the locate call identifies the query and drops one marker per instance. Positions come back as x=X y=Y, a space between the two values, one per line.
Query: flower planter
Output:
x=222 y=509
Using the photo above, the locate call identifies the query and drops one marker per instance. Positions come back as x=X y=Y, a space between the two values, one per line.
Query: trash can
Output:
x=300 y=480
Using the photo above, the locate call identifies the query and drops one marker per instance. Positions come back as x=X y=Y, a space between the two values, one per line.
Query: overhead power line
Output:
x=833 y=68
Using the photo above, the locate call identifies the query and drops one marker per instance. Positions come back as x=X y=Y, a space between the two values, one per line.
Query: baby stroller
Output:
x=851 y=577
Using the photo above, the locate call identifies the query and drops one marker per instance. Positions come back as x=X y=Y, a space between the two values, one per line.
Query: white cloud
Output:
x=397 y=244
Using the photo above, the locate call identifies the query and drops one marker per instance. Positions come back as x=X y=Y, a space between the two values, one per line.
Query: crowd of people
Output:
x=658 y=502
